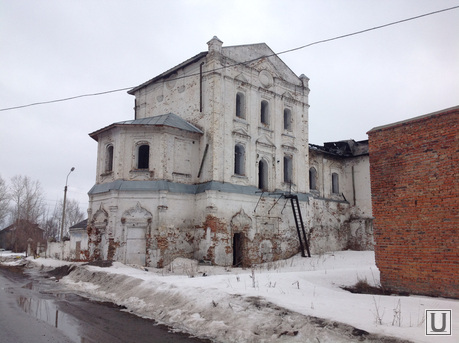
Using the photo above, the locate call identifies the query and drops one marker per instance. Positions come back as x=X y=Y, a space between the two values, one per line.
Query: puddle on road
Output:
x=47 y=310
x=30 y=285
x=106 y=324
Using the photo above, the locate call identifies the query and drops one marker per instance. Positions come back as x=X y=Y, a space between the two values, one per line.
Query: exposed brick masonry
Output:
x=414 y=181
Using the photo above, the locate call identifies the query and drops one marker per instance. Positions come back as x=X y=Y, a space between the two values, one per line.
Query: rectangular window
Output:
x=287 y=119
x=335 y=183
x=264 y=115
x=239 y=160
x=143 y=161
x=288 y=169
x=240 y=105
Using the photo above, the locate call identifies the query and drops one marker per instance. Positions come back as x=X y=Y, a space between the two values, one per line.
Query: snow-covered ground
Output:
x=296 y=300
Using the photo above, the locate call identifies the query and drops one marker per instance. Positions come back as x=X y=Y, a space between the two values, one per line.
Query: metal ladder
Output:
x=299 y=223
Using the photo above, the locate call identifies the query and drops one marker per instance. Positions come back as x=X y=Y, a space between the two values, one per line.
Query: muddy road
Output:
x=37 y=309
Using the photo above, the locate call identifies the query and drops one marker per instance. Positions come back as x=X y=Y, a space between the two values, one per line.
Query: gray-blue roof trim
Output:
x=175 y=187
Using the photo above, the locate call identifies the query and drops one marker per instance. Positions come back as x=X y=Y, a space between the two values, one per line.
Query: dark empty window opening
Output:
x=335 y=183
x=264 y=115
x=287 y=119
x=238 y=250
x=288 y=169
x=239 y=160
x=109 y=159
x=263 y=175
x=143 y=161
x=240 y=105
x=312 y=178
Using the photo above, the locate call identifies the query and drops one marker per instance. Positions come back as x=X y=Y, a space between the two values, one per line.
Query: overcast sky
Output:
x=57 y=49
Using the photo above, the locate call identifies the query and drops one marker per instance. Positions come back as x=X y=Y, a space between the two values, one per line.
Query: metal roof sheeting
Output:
x=169 y=119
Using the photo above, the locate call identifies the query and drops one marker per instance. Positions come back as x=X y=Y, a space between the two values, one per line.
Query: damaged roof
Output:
x=345 y=148
x=169 y=72
x=169 y=119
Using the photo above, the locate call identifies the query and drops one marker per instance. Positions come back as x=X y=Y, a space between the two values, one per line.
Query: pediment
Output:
x=241 y=133
x=265 y=141
x=260 y=56
x=289 y=147
x=101 y=215
x=288 y=95
x=241 y=78
x=137 y=213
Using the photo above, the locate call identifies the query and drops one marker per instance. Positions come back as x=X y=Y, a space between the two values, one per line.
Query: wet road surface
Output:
x=38 y=310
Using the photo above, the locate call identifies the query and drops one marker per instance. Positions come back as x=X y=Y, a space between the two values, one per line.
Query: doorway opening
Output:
x=237 y=250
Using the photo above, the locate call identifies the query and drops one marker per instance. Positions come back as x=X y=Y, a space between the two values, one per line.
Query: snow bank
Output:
x=297 y=300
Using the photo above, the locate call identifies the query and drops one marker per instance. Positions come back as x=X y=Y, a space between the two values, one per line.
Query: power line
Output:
x=66 y=99
x=241 y=63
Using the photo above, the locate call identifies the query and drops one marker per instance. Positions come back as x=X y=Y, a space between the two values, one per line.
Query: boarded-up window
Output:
x=182 y=156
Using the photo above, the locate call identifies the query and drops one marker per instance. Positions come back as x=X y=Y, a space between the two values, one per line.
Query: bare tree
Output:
x=4 y=202
x=52 y=223
x=27 y=197
x=73 y=214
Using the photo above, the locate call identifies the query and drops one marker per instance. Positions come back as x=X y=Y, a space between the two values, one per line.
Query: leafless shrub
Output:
x=397 y=320
x=378 y=315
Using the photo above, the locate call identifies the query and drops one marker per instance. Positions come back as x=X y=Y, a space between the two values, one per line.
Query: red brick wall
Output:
x=414 y=168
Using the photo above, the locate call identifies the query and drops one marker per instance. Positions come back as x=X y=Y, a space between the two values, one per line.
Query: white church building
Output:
x=216 y=166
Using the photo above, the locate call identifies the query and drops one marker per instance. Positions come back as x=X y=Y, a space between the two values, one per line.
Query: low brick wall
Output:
x=414 y=168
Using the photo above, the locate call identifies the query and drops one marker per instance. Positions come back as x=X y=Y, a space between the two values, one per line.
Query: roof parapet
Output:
x=215 y=44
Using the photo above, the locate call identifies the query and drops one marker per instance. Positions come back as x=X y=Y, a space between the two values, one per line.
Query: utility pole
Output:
x=63 y=207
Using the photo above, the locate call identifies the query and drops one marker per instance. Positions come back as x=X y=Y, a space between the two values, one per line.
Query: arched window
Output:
x=287 y=119
x=264 y=114
x=335 y=183
x=312 y=178
x=240 y=105
x=239 y=160
x=263 y=175
x=143 y=157
x=288 y=169
x=109 y=159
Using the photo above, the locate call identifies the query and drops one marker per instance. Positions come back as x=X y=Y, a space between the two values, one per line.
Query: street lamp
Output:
x=63 y=209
